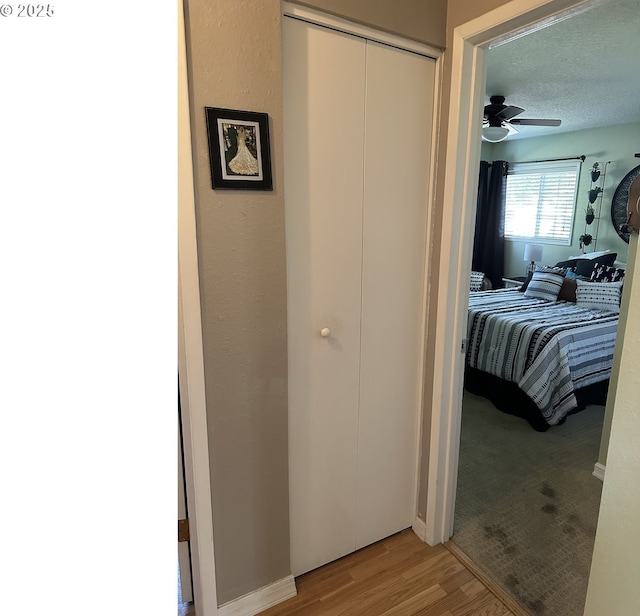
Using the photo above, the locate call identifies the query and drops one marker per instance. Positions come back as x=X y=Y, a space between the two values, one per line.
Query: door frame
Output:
x=468 y=78
x=191 y=359
x=308 y=14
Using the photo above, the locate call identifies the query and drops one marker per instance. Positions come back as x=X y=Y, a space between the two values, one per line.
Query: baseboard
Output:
x=420 y=529
x=260 y=599
x=598 y=471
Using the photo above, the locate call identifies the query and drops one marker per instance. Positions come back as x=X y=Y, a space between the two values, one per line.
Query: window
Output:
x=541 y=200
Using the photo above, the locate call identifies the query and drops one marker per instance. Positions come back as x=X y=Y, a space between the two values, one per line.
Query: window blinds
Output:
x=541 y=199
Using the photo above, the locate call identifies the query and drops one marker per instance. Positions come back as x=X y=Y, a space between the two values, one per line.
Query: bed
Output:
x=539 y=359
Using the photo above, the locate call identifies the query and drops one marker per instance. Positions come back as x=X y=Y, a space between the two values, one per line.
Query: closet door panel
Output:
x=400 y=92
x=323 y=127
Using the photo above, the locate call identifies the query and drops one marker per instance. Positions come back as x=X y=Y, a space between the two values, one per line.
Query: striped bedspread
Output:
x=548 y=349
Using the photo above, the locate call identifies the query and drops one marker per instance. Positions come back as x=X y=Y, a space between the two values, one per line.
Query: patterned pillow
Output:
x=476 y=281
x=599 y=295
x=604 y=273
x=546 y=283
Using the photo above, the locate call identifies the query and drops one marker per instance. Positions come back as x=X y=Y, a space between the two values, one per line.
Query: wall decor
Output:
x=620 y=204
x=592 y=211
x=239 y=151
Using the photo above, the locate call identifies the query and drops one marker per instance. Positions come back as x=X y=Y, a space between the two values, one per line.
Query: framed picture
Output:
x=239 y=149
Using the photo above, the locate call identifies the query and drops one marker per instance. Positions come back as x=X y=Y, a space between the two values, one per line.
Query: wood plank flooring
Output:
x=399 y=576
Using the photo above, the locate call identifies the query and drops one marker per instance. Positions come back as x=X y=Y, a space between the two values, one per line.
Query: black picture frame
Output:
x=239 y=149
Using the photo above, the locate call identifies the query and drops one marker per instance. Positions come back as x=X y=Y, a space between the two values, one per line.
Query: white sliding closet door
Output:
x=357 y=128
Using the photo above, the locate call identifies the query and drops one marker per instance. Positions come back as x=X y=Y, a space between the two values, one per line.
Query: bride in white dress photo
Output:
x=239 y=150
x=244 y=162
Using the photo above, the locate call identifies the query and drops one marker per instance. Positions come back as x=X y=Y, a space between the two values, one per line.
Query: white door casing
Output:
x=191 y=359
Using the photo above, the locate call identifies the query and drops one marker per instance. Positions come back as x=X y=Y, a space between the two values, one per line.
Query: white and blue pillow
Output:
x=599 y=295
x=546 y=283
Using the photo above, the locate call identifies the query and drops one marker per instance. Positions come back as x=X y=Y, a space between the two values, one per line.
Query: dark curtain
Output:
x=488 y=241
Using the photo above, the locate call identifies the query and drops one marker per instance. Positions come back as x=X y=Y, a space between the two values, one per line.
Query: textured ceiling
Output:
x=584 y=70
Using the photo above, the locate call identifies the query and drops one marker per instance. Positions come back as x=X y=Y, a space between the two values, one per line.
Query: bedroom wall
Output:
x=613 y=143
x=234 y=54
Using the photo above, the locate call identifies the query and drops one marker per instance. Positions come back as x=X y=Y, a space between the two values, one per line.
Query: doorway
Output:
x=490 y=514
x=462 y=158
x=460 y=181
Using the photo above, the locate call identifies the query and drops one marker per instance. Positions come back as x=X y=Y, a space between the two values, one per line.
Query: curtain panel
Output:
x=488 y=241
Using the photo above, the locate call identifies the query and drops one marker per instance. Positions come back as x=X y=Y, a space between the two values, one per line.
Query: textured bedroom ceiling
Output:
x=584 y=70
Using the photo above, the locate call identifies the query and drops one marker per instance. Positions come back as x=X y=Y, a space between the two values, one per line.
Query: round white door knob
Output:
x=325 y=331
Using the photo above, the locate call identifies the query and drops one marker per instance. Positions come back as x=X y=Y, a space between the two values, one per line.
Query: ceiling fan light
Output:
x=494 y=133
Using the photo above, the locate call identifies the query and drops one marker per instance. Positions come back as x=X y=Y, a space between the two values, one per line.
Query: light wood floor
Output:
x=399 y=576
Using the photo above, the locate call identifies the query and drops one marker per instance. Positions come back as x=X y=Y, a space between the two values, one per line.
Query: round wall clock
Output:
x=620 y=202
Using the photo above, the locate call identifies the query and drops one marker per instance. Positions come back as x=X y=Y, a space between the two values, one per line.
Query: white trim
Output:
x=419 y=528
x=598 y=471
x=260 y=599
x=455 y=266
x=191 y=359
x=336 y=23
x=544 y=23
x=428 y=257
x=460 y=187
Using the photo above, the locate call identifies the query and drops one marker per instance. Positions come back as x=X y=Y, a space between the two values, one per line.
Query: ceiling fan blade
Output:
x=509 y=112
x=536 y=122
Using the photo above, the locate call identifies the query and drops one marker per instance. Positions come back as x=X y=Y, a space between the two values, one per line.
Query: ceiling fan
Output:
x=499 y=120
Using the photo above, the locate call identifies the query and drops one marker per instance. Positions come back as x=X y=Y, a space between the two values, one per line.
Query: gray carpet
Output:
x=527 y=504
